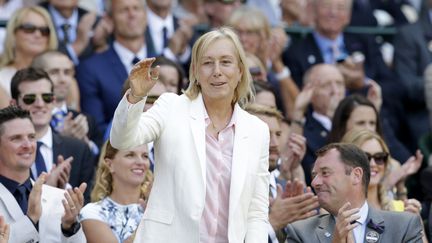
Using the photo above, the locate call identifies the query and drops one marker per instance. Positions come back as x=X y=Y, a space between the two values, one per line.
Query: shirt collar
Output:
x=325 y=44
x=46 y=139
x=323 y=120
x=364 y=210
x=62 y=108
x=157 y=23
x=59 y=20
x=126 y=56
x=233 y=120
x=12 y=185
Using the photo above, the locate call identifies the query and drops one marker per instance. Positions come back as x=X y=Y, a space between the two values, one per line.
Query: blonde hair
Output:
x=359 y=137
x=104 y=181
x=243 y=93
x=9 y=54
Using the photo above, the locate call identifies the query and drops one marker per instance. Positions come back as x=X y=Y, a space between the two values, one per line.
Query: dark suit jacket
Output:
x=398 y=227
x=363 y=16
x=101 y=78
x=413 y=52
x=83 y=161
x=93 y=133
x=316 y=137
x=304 y=53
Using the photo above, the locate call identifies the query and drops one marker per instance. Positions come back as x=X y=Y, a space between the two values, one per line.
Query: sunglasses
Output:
x=380 y=158
x=30 y=29
x=29 y=99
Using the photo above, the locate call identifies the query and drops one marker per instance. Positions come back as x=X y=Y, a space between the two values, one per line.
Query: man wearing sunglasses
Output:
x=68 y=159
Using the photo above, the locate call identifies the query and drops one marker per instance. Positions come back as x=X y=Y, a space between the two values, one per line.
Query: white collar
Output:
x=323 y=120
x=46 y=139
x=126 y=55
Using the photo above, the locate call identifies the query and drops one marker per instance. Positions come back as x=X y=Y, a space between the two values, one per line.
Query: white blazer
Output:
x=23 y=230
x=177 y=199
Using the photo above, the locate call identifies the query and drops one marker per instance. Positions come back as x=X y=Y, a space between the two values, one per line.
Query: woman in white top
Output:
x=123 y=182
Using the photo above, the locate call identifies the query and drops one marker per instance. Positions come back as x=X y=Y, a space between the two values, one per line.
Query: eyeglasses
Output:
x=30 y=29
x=29 y=99
x=379 y=158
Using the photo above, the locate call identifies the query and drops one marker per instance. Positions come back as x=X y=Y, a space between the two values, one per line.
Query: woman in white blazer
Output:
x=211 y=157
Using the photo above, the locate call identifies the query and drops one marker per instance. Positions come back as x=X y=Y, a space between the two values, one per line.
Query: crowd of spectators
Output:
x=324 y=71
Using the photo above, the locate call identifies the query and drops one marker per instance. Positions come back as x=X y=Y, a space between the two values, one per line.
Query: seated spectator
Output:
x=35 y=212
x=66 y=120
x=264 y=94
x=296 y=13
x=69 y=160
x=267 y=43
x=256 y=67
x=101 y=76
x=172 y=75
x=80 y=32
x=341 y=176
x=29 y=33
x=378 y=155
x=123 y=182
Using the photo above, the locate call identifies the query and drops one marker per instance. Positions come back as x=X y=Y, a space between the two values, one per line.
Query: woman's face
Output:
x=218 y=71
x=169 y=77
x=31 y=41
x=128 y=167
x=362 y=117
x=377 y=165
x=249 y=37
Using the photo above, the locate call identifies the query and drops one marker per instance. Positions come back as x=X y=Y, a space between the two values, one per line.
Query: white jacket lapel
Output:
x=10 y=203
x=197 y=124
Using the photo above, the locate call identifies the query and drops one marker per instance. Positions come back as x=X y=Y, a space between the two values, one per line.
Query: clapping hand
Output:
x=73 y=202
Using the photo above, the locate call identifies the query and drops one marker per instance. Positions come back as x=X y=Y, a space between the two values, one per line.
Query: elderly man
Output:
x=341 y=177
x=34 y=211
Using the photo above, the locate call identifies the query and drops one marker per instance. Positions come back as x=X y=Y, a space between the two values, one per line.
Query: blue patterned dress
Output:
x=122 y=219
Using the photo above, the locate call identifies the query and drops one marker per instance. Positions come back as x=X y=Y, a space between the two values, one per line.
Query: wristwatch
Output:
x=72 y=230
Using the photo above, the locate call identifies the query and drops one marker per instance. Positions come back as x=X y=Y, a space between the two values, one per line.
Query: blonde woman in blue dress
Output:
x=122 y=184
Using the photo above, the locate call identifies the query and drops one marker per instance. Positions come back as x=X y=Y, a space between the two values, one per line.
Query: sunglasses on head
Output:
x=29 y=99
x=380 y=158
x=30 y=29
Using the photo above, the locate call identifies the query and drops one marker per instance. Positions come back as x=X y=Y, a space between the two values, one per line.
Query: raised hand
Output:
x=73 y=202
x=343 y=229
x=142 y=78
x=34 y=209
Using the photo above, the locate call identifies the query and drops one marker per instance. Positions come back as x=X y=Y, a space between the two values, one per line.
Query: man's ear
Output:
x=357 y=175
x=13 y=102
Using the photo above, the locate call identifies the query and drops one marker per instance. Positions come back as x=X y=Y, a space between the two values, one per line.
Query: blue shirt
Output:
x=326 y=47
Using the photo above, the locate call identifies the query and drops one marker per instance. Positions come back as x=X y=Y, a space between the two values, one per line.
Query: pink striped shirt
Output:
x=219 y=152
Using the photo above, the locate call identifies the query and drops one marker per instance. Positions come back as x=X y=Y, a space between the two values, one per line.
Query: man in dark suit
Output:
x=101 y=76
x=67 y=121
x=341 y=177
x=67 y=158
x=413 y=52
x=79 y=32
x=166 y=34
